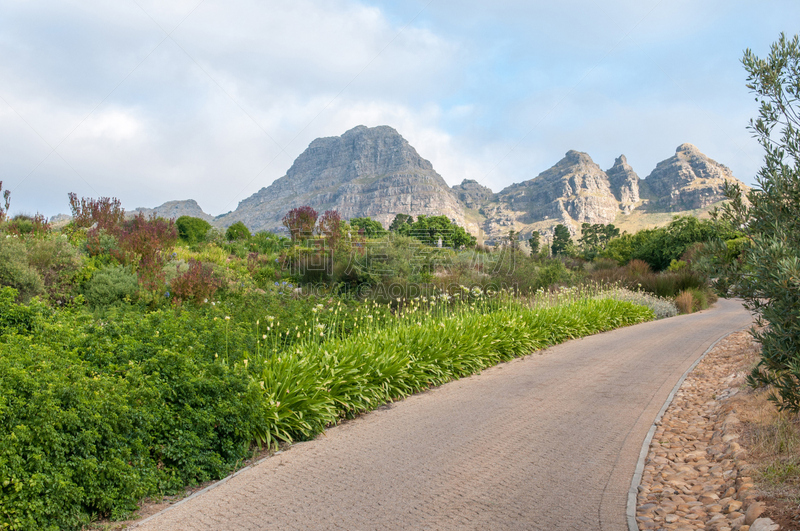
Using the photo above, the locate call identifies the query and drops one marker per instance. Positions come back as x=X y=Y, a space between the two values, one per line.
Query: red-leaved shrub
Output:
x=198 y=283
x=300 y=222
x=144 y=241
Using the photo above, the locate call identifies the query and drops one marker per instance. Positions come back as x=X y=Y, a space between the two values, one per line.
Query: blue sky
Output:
x=150 y=101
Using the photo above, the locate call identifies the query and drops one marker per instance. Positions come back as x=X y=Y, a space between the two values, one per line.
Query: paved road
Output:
x=545 y=442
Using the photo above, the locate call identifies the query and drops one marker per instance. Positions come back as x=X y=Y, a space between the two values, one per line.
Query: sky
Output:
x=150 y=101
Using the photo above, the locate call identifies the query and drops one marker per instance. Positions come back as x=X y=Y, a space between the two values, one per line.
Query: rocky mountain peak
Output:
x=368 y=171
x=688 y=148
x=473 y=194
x=686 y=181
x=624 y=184
x=575 y=189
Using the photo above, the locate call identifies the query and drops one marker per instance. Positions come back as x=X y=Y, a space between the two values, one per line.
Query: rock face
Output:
x=624 y=184
x=575 y=189
x=371 y=172
x=473 y=194
x=175 y=209
x=688 y=180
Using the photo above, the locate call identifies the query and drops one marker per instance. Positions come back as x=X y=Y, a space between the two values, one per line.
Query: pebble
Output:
x=696 y=473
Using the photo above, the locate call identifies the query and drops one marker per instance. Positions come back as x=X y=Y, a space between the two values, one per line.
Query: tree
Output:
x=533 y=241
x=595 y=237
x=400 y=222
x=191 y=229
x=368 y=227
x=513 y=240
x=7 y=200
x=237 y=231
x=562 y=241
x=430 y=229
x=766 y=274
x=331 y=226
x=300 y=222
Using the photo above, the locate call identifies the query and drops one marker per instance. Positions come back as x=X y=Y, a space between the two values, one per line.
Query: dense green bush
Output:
x=237 y=231
x=15 y=272
x=57 y=263
x=111 y=285
x=97 y=414
x=192 y=230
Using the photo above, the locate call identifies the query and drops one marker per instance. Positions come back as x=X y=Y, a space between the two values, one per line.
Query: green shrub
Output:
x=15 y=271
x=57 y=263
x=111 y=285
x=192 y=230
x=237 y=231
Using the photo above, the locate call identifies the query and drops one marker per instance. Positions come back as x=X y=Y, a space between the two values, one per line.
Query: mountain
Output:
x=371 y=172
x=624 y=184
x=575 y=190
x=175 y=209
x=375 y=172
x=688 y=180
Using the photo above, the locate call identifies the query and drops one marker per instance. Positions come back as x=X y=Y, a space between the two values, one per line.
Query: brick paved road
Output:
x=546 y=442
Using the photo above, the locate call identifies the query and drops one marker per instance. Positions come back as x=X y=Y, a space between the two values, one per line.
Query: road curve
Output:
x=549 y=442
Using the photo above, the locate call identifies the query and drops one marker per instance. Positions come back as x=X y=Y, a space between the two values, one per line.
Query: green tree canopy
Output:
x=401 y=223
x=431 y=229
x=368 y=227
x=562 y=241
x=533 y=241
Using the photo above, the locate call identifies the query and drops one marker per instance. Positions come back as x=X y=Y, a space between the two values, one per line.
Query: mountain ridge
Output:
x=375 y=172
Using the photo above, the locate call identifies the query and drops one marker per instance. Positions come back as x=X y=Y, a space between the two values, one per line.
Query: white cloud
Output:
x=495 y=92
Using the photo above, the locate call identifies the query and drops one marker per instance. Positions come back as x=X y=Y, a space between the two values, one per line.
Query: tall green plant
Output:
x=766 y=273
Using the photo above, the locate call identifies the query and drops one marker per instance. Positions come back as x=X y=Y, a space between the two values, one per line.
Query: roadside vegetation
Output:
x=141 y=355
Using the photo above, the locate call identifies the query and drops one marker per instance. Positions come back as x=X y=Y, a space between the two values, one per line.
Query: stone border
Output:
x=637 y=475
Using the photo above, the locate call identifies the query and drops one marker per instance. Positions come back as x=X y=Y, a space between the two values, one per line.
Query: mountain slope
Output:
x=371 y=172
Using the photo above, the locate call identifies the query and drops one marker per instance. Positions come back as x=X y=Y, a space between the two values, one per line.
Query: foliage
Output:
x=685 y=302
x=144 y=241
x=197 y=283
x=106 y=212
x=595 y=237
x=658 y=247
x=267 y=242
x=332 y=227
x=7 y=203
x=367 y=227
x=192 y=230
x=431 y=229
x=660 y=306
x=110 y=285
x=98 y=414
x=57 y=263
x=400 y=223
x=237 y=231
x=15 y=272
x=300 y=222
x=562 y=241
x=23 y=225
x=534 y=243
x=765 y=274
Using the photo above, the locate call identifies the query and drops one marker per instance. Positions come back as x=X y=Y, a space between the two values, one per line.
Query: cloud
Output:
x=496 y=92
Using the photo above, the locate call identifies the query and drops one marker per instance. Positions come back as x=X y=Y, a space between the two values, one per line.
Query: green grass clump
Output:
x=315 y=384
